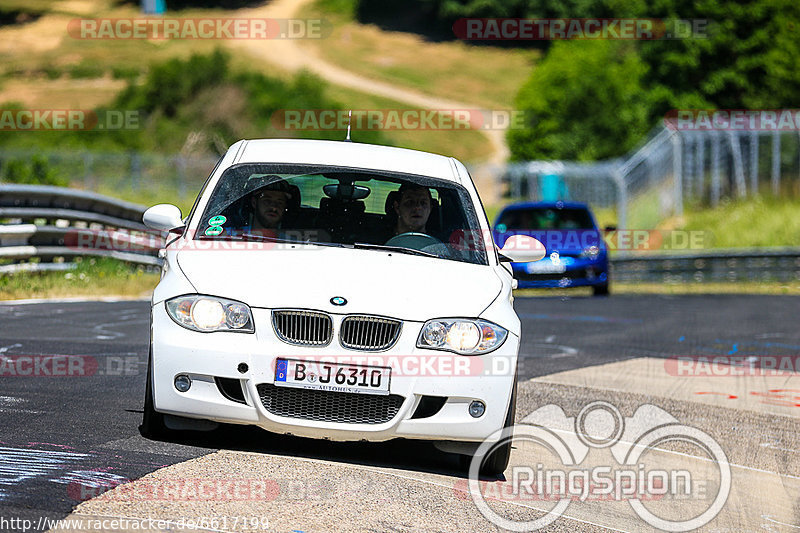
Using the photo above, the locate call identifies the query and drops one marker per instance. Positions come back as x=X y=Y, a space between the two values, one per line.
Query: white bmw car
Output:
x=336 y=290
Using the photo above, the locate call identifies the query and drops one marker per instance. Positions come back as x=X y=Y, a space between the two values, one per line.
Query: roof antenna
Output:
x=349 y=118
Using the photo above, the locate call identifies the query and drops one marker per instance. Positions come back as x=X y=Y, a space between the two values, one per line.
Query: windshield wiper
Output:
x=401 y=249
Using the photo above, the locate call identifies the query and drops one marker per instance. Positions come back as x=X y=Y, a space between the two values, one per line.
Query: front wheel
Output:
x=496 y=461
x=601 y=290
x=153 y=426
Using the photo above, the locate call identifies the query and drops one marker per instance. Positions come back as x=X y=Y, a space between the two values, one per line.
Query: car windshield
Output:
x=344 y=207
x=545 y=218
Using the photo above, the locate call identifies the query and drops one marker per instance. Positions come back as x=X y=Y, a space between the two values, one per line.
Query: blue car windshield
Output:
x=546 y=218
x=344 y=207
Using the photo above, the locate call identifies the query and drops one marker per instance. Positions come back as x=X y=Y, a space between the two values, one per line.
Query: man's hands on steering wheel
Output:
x=413 y=240
x=420 y=241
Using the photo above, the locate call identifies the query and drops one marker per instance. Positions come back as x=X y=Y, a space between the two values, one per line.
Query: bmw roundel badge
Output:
x=338 y=300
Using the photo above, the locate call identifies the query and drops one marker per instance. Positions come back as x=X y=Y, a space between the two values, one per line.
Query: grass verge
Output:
x=91 y=278
x=94 y=278
x=761 y=221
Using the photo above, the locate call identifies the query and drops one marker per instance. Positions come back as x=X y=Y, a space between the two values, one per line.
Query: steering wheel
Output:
x=413 y=240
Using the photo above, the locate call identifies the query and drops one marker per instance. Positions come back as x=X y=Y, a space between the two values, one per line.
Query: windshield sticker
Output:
x=213 y=231
x=217 y=220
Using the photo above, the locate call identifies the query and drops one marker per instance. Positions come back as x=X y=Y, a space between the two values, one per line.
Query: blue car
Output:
x=576 y=253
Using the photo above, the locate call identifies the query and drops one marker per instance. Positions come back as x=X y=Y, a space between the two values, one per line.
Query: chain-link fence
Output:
x=652 y=183
x=671 y=168
x=128 y=175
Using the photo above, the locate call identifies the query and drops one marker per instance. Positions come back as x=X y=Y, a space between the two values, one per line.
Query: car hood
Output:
x=379 y=283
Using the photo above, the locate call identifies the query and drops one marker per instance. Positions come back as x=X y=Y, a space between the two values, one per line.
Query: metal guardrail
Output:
x=671 y=167
x=724 y=265
x=54 y=225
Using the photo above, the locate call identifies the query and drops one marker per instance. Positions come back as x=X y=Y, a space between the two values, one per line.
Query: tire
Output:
x=153 y=426
x=496 y=462
x=601 y=290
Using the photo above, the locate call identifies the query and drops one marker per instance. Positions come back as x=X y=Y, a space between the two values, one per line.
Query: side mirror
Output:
x=163 y=217
x=522 y=249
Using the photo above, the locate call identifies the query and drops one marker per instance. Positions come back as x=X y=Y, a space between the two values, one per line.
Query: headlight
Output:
x=208 y=313
x=591 y=252
x=462 y=336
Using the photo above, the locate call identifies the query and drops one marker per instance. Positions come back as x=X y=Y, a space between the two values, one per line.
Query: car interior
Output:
x=346 y=208
x=341 y=216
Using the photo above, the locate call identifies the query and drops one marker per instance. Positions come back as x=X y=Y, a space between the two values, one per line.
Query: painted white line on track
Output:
x=18 y=465
x=13 y=400
x=7 y=404
x=4 y=349
x=623 y=391
x=770 y=519
x=774 y=446
x=729 y=387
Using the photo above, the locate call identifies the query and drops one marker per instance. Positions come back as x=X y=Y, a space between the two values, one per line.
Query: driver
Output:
x=413 y=209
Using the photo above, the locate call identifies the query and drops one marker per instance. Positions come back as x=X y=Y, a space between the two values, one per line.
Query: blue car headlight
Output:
x=209 y=313
x=590 y=252
x=462 y=336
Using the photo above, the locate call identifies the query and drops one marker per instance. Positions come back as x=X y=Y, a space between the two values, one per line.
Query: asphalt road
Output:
x=59 y=433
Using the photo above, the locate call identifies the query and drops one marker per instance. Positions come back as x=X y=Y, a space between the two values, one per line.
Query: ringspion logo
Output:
x=600 y=455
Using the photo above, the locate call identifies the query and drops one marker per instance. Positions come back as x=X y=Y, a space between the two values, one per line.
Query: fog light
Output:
x=184 y=382
x=476 y=409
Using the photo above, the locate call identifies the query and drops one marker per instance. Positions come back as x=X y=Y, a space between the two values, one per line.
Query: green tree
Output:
x=748 y=55
x=584 y=101
x=33 y=171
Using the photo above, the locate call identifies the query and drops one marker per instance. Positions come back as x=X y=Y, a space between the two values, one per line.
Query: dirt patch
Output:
x=60 y=94
x=41 y=35
x=79 y=7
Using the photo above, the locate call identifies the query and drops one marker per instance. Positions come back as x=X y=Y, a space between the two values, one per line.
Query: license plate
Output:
x=334 y=377
x=546 y=266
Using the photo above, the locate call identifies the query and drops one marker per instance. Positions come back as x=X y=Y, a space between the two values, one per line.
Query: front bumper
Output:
x=418 y=373
x=579 y=273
